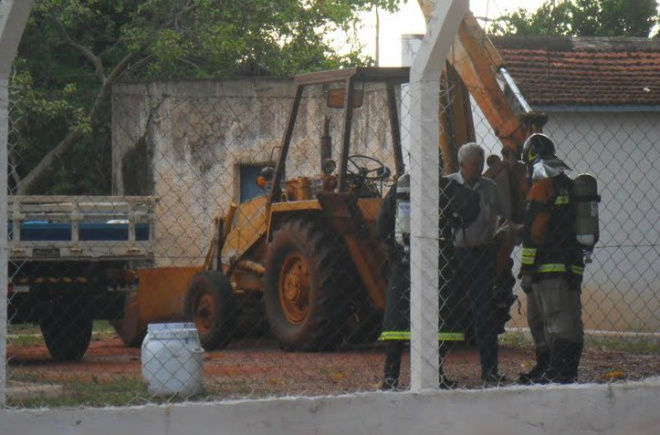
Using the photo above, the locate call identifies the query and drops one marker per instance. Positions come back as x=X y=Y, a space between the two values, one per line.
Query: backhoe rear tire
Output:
x=211 y=305
x=305 y=286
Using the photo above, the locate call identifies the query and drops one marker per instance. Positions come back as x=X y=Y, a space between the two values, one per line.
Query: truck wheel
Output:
x=303 y=287
x=67 y=333
x=211 y=305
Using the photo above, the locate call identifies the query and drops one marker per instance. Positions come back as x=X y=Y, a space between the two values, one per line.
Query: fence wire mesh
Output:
x=259 y=280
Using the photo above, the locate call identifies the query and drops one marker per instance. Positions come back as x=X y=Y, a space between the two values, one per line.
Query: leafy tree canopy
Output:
x=73 y=50
x=583 y=18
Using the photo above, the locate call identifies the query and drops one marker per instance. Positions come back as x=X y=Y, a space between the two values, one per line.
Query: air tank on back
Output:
x=585 y=195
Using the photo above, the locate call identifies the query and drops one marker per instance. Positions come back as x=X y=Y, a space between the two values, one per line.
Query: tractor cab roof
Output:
x=396 y=75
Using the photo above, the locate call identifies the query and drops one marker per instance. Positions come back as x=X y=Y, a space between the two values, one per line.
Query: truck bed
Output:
x=87 y=231
x=47 y=228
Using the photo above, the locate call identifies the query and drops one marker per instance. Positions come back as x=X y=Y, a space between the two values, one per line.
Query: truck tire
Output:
x=211 y=305
x=304 y=286
x=67 y=333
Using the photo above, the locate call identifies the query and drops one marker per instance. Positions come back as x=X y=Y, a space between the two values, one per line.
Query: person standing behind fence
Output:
x=475 y=256
x=551 y=267
x=457 y=206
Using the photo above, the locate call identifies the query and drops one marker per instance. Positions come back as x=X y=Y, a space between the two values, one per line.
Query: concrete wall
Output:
x=184 y=141
x=614 y=409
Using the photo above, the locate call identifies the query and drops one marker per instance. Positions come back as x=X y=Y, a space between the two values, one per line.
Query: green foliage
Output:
x=72 y=50
x=635 y=18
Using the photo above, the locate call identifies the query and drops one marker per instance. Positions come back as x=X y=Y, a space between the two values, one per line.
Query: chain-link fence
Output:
x=292 y=273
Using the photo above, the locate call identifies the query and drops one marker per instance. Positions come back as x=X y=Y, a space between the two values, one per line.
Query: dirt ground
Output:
x=258 y=368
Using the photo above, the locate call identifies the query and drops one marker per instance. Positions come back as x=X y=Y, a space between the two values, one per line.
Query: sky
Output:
x=409 y=20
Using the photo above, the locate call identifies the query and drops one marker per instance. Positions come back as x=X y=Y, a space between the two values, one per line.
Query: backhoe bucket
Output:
x=159 y=298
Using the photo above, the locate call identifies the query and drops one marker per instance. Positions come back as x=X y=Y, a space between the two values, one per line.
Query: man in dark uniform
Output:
x=551 y=267
x=458 y=206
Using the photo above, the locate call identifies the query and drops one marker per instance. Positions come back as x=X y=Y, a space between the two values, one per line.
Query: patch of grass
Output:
x=23 y=328
x=515 y=339
x=25 y=339
x=102 y=330
x=94 y=392
x=633 y=345
x=118 y=392
x=127 y=392
x=29 y=334
x=628 y=345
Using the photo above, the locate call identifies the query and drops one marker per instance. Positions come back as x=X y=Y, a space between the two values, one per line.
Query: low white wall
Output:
x=630 y=409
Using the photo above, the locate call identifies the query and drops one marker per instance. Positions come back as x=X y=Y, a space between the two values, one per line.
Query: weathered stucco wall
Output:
x=184 y=141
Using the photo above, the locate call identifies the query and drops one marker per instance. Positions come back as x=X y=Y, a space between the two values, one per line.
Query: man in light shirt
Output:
x=475 y=255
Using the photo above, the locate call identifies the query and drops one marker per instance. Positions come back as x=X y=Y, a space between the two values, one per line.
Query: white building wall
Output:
x=622 y=286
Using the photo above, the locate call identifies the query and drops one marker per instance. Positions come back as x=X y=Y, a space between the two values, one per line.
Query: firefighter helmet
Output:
x=537 y=145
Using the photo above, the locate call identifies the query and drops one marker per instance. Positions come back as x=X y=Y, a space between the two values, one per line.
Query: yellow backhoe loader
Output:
x=304 y=257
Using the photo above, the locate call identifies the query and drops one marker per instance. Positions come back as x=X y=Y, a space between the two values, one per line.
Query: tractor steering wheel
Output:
x=369 y=169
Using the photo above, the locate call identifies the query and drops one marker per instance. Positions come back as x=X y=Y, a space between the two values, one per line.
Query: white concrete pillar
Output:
x=13 y=17
x=424 y=170
x=409 y=48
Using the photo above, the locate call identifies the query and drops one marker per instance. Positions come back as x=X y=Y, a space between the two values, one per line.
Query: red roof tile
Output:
x=584 y=71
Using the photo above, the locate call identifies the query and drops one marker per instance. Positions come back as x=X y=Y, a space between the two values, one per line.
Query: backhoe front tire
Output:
x=304 y=286
x=127 y=326
x=211 y=305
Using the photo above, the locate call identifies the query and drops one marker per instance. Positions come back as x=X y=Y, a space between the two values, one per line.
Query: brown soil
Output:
x=257 y=368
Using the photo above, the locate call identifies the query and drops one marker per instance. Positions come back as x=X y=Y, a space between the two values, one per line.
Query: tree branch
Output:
x=86 y=52
x=99 y=109
x=45 y=166
x=118 y=70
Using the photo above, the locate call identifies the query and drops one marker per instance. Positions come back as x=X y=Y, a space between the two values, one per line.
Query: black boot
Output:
x=542 y=362
x=573 y=355
x=393 y=353
x=560 y=351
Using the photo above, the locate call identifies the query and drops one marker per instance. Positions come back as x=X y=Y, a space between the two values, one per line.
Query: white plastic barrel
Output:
x=172 y=359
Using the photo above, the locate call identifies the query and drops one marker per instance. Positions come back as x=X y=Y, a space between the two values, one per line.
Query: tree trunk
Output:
x=96 y=115
x=45 y=166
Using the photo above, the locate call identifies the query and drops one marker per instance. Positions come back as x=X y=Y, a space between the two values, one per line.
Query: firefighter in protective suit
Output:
x=458 y=207
x=551 y=266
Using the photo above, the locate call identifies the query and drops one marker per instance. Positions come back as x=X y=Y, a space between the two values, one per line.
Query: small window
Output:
x=248 y=187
